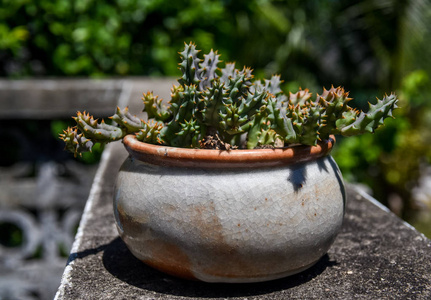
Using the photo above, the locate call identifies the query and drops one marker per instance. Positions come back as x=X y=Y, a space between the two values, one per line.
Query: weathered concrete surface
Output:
x=375 y=256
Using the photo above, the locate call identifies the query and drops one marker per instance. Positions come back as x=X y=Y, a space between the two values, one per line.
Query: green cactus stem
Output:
x=370 y=121
x=98 y=132
x=76 y=143
x=154 y=108
x=150 y=132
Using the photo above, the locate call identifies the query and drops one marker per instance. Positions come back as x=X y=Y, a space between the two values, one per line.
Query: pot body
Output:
x=229 y=225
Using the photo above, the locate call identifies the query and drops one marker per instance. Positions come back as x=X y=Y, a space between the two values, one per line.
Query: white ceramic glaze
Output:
x=229 y=225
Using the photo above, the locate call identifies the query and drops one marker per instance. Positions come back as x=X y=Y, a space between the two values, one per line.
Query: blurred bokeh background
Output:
x=370 y=47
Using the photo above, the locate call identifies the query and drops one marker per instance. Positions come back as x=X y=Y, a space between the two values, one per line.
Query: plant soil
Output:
x=214 y=142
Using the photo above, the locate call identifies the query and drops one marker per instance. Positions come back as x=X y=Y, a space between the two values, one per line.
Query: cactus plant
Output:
x=225 y=108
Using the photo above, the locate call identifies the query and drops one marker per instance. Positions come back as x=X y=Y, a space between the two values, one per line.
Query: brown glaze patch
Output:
x=129 y=224
x=163 y=256
x=223 y=259
x=224 y=159
x=205 y=221
x=168 y=258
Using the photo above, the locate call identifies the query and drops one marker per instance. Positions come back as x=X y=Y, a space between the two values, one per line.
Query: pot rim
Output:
x=224 y=159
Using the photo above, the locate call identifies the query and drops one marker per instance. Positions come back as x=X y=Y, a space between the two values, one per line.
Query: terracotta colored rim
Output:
x=242 y=158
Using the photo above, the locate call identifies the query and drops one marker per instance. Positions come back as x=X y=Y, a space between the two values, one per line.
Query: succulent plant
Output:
x=227 y=109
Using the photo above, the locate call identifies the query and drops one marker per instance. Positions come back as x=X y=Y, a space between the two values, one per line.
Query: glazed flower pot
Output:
x=229 y=216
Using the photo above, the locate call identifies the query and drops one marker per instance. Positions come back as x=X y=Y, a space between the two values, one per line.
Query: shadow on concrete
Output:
x=78 y=255
x=120 y=262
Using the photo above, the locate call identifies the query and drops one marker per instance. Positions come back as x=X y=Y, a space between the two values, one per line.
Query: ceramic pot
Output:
x=229 y=216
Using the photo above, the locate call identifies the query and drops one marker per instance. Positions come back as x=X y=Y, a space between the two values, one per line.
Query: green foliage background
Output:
x=370 y=47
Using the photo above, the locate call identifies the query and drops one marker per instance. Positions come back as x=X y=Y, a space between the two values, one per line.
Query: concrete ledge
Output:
x=61 y=98
x=375 y=256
